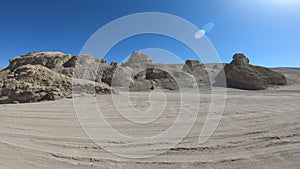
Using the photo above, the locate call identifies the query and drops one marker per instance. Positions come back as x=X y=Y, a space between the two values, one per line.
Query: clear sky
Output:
x=267 y=31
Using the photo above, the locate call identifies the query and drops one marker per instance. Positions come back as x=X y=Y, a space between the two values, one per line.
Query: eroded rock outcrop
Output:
x=147 y=75
x=3 y=75
x=33 y=83
x=198 y=71
x=137 y=60
x=46 y=59
x=241 y=74
x=42 y=76
x=153 y=76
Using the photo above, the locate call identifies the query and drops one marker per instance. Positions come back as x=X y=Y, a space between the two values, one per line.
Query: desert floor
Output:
x=259 y=129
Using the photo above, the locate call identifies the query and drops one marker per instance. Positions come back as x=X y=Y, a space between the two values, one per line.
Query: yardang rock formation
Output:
x=242 y=75
x=40 y=76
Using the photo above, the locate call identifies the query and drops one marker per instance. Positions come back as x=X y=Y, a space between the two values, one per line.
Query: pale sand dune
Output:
x=259 y=129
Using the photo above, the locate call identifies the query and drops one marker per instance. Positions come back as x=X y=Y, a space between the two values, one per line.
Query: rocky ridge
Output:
x=40 y=76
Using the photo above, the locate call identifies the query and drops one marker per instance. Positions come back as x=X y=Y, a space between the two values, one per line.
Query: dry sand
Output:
x=259 y=129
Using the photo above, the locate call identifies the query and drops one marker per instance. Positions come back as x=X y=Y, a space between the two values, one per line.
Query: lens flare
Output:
x=199 y=34
x=205 y=29
x=208 y=27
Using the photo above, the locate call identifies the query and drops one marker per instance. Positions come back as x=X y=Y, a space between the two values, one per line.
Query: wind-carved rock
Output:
x=147 y=75
x=240 y=59
x=46 y=59
x=137 y=60
x=42 y=76
x=241 y=74
x=33 y=83
x=198 y=71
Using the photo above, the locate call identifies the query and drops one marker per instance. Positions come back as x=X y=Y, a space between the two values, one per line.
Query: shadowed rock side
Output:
x=3 y=74
x=242 y=75
x=153 y=76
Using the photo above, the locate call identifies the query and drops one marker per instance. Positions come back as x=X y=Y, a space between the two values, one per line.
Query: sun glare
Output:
x=284 y=3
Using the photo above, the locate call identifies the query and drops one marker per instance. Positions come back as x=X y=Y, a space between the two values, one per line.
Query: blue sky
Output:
x=267 y=31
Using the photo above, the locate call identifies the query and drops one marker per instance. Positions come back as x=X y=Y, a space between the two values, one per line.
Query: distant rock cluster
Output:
x=40 y=76
x=146 y=75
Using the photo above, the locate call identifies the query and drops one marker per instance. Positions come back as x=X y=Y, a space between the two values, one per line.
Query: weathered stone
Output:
x=45 y=76
x=161 y=76
x=154 y=76
x=240 y=59
x=46 y=59
x=71 y=62
x=137 y=60
x=52 y=75
x=32 y=83
x=240 y=74
x=161 y=79
x=122 y=77
x=199 y=72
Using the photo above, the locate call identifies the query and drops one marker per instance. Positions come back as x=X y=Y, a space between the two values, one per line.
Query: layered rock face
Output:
x=240 y=74
x=41 y=76
x=46 y=59
x=32 y=83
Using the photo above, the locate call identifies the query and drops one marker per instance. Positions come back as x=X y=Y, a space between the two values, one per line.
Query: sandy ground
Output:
x=259 y=129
